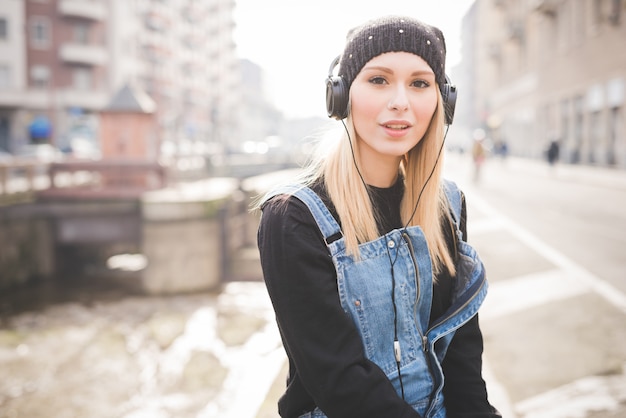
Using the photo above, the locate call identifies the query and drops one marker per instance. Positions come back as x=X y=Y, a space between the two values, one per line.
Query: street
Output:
x=553 y=322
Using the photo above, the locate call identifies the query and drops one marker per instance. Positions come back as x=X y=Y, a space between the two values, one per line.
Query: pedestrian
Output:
x=553 y=152
x=375 y=290
x=479 y=153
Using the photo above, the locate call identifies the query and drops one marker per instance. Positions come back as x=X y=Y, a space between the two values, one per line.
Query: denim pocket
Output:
x=316 y=413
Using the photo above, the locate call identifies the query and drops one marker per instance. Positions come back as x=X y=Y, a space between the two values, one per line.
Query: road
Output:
x=554 y=321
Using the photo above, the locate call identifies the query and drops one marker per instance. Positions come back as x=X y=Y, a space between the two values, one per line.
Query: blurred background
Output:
x=135 y=136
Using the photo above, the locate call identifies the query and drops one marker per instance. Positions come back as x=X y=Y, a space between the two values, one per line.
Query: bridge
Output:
x=132 y=221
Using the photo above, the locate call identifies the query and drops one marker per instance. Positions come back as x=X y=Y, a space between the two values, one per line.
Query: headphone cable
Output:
x=396 y=343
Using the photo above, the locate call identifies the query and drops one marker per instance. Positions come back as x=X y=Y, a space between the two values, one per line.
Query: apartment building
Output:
x=62 y=61
x=12 y=71
x=544 y=70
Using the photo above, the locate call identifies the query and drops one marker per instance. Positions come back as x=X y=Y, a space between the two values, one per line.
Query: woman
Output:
x=375 y=291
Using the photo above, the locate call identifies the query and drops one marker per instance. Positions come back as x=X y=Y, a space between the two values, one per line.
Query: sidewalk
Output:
x=580 y=173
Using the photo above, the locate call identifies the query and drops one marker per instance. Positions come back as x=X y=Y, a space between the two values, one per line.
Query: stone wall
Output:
x=26 y=250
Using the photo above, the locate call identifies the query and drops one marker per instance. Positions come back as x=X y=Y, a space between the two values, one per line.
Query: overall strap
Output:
x=326 y=222
x=454 y=195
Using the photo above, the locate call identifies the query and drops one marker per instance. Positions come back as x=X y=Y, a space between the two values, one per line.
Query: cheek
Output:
x=363 y=107
x=364 y=112
x=424 y=108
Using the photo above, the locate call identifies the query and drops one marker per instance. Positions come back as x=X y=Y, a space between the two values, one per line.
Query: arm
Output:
x=465 y=392
x=319 y=337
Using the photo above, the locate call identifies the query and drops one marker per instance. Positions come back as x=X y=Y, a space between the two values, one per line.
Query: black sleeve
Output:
x=465 y=392
x=319 y=337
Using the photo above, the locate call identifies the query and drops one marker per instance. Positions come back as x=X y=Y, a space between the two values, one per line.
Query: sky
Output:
x=294 y=41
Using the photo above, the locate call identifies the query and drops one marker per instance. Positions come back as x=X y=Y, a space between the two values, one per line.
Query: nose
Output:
x=399 y=99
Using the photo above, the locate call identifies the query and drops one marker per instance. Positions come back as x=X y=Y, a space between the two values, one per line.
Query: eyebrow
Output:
x=389 y=70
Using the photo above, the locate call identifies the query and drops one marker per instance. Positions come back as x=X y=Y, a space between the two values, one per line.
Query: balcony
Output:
x=83 y=54
x=86 y=9
x=499 y=3
x=515 y=31
x=92 y=99
x=547 y=7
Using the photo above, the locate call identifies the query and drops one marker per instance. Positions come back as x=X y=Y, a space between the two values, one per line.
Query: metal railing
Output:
x=23 y=178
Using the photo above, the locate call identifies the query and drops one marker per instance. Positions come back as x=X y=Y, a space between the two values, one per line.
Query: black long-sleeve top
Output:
x=327 y=364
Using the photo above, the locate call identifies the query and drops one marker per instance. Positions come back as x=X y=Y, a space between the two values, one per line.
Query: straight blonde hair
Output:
x=334 y=162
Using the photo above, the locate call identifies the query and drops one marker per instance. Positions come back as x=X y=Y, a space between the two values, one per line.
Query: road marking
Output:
x=581 y=397
x=483 y=225
x=524 y=292
x=577 y=399
x=601 y=287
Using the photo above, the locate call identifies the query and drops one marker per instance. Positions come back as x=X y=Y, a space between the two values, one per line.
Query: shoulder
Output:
x=455 y=196
x=287 y=227
x=298 y=199
x=284 y=207
x=453 y=191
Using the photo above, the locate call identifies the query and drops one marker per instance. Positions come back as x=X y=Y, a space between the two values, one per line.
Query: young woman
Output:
x=375 y=290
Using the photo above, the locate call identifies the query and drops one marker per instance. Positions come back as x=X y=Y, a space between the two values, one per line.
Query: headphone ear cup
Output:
x=448 y=94
x=336 y=98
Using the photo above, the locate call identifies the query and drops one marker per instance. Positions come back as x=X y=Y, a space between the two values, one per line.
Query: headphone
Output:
x=337 y=96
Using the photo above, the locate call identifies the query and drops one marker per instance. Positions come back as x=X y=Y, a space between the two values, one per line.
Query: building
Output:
x=61 y=61
x=548 y=70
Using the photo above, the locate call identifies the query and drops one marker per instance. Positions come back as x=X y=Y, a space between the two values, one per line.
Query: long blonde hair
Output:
x=335 y=164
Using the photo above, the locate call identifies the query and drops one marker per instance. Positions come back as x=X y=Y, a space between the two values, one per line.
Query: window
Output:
x=40 y=76
x=579 y=117
x=615 y=16
x=578 y=22
x=565 y=115
x=5 y=76
x=597 y=12
x=564 y=27
x=82 y=79
x=81 y=33
x=40 y=32
x=615 y=125
x=4 y=29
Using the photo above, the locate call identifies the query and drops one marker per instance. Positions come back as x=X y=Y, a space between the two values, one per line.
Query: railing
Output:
x=104 y=178
x=21 y=179
x=22 y=176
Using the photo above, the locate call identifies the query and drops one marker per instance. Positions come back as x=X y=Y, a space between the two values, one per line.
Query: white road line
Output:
x=601 y=287
x=483 y=225
x=577 y=399
x=524 y=292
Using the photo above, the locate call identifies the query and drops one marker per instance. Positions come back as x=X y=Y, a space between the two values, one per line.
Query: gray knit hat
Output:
x=393 y=34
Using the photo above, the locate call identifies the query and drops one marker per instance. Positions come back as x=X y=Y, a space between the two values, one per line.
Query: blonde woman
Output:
x=375 y=290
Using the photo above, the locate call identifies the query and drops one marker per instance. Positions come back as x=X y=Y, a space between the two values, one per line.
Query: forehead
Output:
x=396 y=61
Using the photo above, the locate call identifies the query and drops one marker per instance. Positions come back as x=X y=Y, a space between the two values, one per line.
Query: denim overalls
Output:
x=365 y=289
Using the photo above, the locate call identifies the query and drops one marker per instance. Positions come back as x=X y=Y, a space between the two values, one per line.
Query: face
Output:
x=393 y=100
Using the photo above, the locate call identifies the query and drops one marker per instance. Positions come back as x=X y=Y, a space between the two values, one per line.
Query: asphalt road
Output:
x=552 y=240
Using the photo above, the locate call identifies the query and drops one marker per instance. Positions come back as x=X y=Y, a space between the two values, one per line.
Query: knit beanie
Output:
x=393 y=34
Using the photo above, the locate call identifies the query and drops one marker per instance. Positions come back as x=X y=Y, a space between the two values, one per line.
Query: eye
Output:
x=422 y=84
x=377 y=80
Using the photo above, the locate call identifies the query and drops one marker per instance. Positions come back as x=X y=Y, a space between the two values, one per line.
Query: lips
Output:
x=394 y=126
